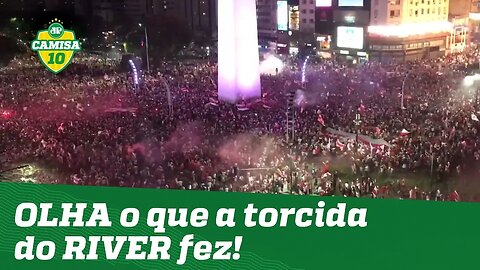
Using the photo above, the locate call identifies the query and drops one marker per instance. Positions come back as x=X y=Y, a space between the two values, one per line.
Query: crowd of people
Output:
x=90 y=126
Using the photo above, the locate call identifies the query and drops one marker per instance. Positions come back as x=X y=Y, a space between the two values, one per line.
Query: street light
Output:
x=169 y=94
x=357 y=122
x=403 y=91
x=146 y=46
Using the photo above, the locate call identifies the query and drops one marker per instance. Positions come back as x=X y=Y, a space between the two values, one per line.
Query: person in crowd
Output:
x=91 y=127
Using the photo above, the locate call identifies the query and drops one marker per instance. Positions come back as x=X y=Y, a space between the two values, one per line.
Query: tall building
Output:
x=408 y=29
x=161 y=6
x=137 y=9
x=83 y=7
x=324 y=27
x=307 y=15
x=474 y=19
x=20 y=6
x=201 y=15
x=266 y=21
x=351 y=20
x=60 y=5
x=106 y=9
x=458 y=15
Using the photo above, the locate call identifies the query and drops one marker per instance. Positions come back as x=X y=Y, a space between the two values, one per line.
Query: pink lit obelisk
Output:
x=238 y=56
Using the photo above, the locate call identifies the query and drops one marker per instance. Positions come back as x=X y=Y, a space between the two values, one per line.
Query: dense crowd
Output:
x=89 y=126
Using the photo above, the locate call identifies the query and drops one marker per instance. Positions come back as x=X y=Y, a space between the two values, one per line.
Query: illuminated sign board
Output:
x=350 y=37
x=350 y=3
x=282 y=15
x=323 y=3
x=350 y=19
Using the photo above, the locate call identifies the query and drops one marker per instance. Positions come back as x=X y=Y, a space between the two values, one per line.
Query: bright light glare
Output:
x=282 y=15
x=470 y=80
x=238 y=55
x=304 y=69
x=410 y=29
x=135 y=72
x=474 y=16
x=270 y=65
x=323 y=3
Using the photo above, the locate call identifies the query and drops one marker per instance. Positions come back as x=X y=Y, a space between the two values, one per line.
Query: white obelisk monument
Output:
x=238 y=55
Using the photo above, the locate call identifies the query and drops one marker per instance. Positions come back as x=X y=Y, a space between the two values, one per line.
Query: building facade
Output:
x=474 y=21
x=20 y=6
x=307 y=15
x=458 y=15
x=201 y=15
x=266 y=22
x=351 y=21
x=324 y=28
x=403 y=30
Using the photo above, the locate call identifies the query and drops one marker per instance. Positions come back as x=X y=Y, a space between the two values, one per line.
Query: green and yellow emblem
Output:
x=56 y=46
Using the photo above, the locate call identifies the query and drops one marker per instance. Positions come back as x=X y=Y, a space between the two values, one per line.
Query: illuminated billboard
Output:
x=294 y=18
x=323 y=3
x=350 y=37
x=350 y=3
x=282 y=15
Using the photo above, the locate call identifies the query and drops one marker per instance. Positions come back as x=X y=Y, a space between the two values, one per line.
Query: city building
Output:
x=474 y=21
x=83 y=7
x=161 y=6
x=458 y=15
x=201 y=15
x=63 y=5
x=307 y=15
x=106 y=9
x=294 y=17
x=283 y=28
x=20 y=6
x=266 y=22
x=351 y=20
x=402 y=30
x=137 y=9
x=324 y=27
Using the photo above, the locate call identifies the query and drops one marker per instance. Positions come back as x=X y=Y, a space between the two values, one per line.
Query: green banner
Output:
x=69 y=227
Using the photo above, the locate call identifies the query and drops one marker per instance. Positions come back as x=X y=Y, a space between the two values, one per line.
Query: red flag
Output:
x=60 y=129
x=340 y=145
x=6 y=114
x=454 y=197
x=325 y=169
x=136 y=147
x=361 y=108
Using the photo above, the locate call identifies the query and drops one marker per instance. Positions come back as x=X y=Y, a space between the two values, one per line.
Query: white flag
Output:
x=404 y=132
x=474 y=117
